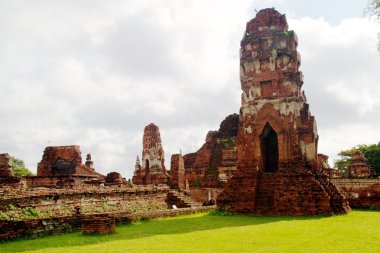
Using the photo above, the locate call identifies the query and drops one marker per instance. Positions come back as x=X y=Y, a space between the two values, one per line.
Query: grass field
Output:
x=358 y=231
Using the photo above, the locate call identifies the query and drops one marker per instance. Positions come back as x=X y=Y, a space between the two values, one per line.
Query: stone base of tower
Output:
x=156 y=179
x=151 y=178
x=293 y=190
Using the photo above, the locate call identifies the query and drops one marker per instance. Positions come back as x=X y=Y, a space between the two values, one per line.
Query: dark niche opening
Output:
x=146 y=165
x=63 y=167
x=269 y=149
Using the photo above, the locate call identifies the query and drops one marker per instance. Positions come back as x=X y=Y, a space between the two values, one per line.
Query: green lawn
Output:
x=358 y=231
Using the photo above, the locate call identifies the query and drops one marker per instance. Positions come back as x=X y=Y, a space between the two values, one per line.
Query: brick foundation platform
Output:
x=98 y=225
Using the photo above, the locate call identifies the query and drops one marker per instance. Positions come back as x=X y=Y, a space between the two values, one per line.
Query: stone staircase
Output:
x=338 y=202
x=181 y=200
x=266 y=184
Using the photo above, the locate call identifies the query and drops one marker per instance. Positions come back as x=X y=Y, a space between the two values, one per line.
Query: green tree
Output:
x=18 y=167
x=373 y=10
x=370 y=152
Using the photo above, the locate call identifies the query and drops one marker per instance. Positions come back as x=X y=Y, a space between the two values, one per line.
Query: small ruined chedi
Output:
x=358 y=167
x=5 y=166
x=64 y=160
x=152 y=170
x=62 y=166
x=277 y=169
x=7 y=178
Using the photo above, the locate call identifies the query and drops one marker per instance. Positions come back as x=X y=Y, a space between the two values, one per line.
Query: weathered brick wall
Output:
x=33 y=228
x=177 y=172
x=63 y=160
x=57 y=181
x=215 y=162
x=53 y=199
x=69 y=154
x=361 y=193
x=98 y=225
x=12 y=182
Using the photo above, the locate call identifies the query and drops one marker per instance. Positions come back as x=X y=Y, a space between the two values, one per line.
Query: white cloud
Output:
x=94 y=73
x=340 y=64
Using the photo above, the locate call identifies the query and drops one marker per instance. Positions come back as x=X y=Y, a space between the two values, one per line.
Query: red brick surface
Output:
x=63 y=160
x=177 y=172
x=98 y=225
x=361 y=193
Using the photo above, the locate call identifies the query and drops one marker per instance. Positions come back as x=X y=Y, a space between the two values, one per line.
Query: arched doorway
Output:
x=269 y=149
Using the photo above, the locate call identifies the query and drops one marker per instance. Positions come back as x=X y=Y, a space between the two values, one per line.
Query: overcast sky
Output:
x=94 y=73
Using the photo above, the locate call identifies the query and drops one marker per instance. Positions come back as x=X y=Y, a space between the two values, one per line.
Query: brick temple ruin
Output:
x=215 y=162
x=7 y=178
x=358 y=167
x=5 y=166
x=262 y=161
x=152 y=170
x=70 y=195
x=277 y=170
x=65 y=160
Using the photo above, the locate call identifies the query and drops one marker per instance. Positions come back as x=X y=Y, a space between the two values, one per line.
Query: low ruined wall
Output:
x=34 y=228
x=56 y=181
x=89 y=197
x=98 y=225
x=12 y=182
x=361 y=193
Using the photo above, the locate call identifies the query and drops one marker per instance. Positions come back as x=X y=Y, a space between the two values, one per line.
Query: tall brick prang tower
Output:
x=152 y=170
x=277 y=138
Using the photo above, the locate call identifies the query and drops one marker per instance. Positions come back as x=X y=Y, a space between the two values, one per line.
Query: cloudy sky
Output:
x=94 y=73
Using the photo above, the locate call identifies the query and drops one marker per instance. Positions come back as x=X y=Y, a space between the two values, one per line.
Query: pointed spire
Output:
x=138 y=164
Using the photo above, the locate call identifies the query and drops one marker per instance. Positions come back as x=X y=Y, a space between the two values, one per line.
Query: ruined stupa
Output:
x=5 y=165
x=277 y=170
x=65 y=160
x=358 y=167
x=152 y=170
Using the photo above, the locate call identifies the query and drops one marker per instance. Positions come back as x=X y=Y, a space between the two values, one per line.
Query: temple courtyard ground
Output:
x=359 y=231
